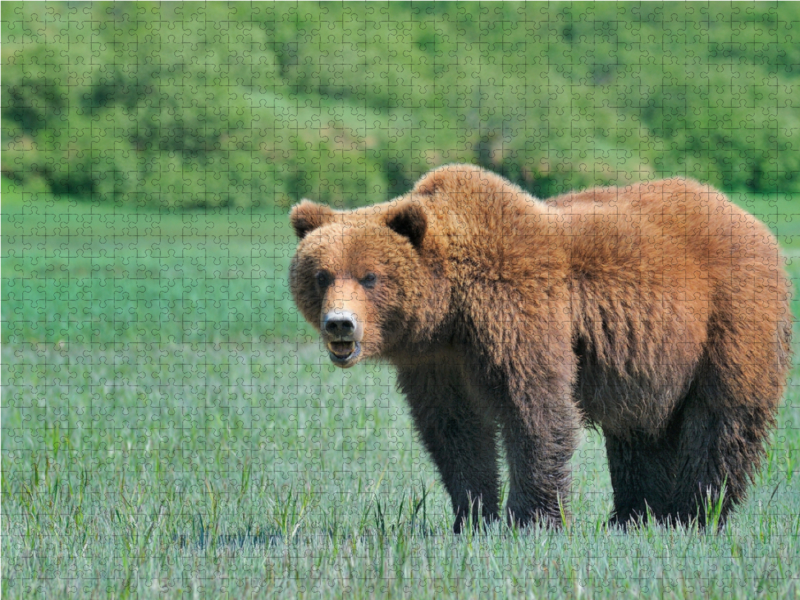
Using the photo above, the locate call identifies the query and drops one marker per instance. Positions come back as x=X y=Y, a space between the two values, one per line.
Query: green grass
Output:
x=170 y=428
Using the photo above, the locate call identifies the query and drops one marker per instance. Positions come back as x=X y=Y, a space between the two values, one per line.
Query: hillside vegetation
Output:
x=240 y=104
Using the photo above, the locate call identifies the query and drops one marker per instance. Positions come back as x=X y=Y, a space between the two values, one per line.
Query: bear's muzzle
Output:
x=343 y=332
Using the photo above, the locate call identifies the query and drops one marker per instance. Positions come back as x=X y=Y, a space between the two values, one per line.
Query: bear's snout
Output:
x=342 y=324
x=343 y=332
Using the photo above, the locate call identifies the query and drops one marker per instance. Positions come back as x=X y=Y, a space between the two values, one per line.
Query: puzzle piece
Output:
x=170 y=421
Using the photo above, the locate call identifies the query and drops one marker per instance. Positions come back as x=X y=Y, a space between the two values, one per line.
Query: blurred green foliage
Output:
x=244 y=104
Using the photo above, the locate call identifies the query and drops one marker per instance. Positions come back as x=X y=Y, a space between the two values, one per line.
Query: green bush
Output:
x=234 y=104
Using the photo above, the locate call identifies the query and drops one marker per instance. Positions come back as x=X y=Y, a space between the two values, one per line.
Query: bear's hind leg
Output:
x=642 y=474
x=720 y=446
x=460 y=439
x=730 y=408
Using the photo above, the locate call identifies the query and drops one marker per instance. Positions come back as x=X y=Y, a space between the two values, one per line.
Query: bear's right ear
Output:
x=308 y=216
x=409 y=220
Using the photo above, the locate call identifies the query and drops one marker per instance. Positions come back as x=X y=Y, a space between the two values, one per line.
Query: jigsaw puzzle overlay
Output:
x=173 y=426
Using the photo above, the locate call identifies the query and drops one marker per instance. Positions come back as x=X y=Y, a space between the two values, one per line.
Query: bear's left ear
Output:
x=308 y=216
x=409 y=220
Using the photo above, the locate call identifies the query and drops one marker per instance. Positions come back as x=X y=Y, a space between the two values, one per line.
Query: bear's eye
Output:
x=323 y=279
x=369 y=280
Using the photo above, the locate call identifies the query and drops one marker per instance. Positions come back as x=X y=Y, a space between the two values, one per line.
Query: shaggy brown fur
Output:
x=657 y=312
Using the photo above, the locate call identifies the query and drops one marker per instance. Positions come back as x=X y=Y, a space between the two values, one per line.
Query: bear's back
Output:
x=675 y=219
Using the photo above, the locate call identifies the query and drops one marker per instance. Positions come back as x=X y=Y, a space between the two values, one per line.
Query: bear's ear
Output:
x=308 y=216
x=409 y=220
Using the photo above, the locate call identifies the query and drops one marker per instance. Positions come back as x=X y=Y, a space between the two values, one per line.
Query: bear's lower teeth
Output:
x=342 y=349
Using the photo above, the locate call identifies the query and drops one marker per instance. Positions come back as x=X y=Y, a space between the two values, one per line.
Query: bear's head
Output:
x=360 y=277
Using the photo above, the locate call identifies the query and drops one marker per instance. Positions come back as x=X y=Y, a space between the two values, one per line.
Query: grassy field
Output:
x=171 y=429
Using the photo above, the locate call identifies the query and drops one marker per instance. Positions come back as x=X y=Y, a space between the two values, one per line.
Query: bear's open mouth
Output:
x=343 y=351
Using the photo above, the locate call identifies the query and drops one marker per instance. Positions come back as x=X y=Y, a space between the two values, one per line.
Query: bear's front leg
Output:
x=540 y=438
x=460 y=438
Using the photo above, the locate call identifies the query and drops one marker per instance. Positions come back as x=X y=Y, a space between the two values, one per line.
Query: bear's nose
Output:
x=339 y=324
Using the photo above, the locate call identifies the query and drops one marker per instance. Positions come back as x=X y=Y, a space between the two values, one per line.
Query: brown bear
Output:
x=657 y=312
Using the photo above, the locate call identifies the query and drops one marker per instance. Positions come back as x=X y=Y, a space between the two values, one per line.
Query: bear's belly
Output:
x=625 y=403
